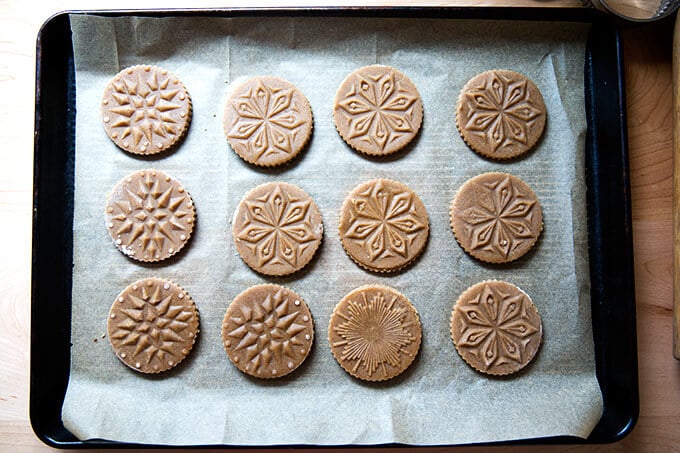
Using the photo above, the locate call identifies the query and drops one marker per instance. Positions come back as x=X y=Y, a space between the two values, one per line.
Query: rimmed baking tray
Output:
x=608 y=204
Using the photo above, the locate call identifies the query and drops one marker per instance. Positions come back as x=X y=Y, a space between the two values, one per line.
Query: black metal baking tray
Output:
x=608 y=199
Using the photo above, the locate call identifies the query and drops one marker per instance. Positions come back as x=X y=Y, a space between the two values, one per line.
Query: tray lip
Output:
x=531 y=14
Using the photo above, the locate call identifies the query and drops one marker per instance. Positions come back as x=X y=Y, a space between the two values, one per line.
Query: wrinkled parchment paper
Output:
x=439 y=399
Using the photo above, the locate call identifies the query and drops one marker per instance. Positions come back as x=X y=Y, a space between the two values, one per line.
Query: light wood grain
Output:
x=650 y=119
x=676 y=189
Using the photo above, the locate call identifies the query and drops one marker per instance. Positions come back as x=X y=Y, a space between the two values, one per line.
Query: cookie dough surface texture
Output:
x=152 y=325
x=145 y=110
x=267 y=121
x=267 y=331
x=496 y=217
x=377 y=110
x=374 y=333
x=496 y=328
x=383 y=225
x=501 y=114
x=277 y=228
x=149 y=215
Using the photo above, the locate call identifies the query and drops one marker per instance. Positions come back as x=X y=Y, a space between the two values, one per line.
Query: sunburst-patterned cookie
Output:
x=496 y=328
x=377 y=110
x=374 y=333
x=267 y=121
x=146 y=110
x=152 y=325
x=149 y=215
x=267 y=331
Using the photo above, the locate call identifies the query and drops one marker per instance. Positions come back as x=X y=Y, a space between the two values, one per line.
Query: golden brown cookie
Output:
x=267 y=331
x=267 y=121
x=383 y=225
x=374 y=333
x=146 y=110
x=496 y=217
x=277 y=228
x=377 y=110
x=496 y=328
x=153 y=324
x=500 y=114
x=149 y=215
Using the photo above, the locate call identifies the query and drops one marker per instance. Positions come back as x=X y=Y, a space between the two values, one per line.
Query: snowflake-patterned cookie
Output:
x=374 y=333
x=149 y=216
x=496 y=328
x=277 y=228
x=152 y=325
x=146 y=110
x=267 y=331
x=496 y=217
x=500 y=114
x=267 y=121
x=383 y=225
x=377 y=110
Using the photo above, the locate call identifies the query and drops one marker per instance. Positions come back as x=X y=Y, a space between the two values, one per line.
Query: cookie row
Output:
x=374 y=331
x=277 y=227
x=377 y=111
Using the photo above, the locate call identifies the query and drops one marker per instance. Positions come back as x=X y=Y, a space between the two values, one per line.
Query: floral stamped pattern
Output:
x=149 y=216
x=277 y=228
x=501 y=114
x=378 y=110
x=152 y=325
x=496 y=328
x=145 y=110
x=375 y=333
x=496 y=217
x=267 y=331
x=267 y=121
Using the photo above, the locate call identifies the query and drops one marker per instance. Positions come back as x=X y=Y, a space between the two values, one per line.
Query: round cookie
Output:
x=374 y=333
x=152 y=325
x=377 y=110
x=383 y=225
x=496 y=217
x=496 y=328
x=277 y=228
x=267 y=331
x=500 y=114
x=146 y=110
x=149 y=216
x=267 y=121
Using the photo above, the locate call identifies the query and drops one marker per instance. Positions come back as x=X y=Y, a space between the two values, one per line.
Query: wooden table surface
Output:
x=649 y=97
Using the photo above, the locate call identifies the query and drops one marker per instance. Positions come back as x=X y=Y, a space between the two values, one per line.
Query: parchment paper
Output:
x=439 y=399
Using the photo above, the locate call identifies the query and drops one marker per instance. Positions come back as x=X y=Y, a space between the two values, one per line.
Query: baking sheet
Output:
x=439 y=400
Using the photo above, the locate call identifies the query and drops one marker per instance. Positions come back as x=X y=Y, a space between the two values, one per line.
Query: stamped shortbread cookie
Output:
x=374 y=333
x=500 y=114
x=267 y=331
x=496 y=328
x=149 y=215
x=146 y=110
x=152 y=325
x=377 y=110
x=496 y=217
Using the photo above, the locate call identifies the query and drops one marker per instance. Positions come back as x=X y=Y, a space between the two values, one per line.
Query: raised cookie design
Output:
x=152 y=325
x=146 y=109
x=267 y=121
x=496 y=328
x=377 y=110
x=149 y=216
x=496 y=217
x=374 y=333
x=383 y=225
x=267 y=331
x=501 y=114
x=277 y=228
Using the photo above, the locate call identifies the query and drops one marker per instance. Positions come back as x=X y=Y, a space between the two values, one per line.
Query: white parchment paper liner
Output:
x=439 y=400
